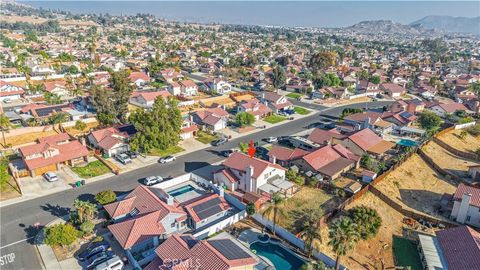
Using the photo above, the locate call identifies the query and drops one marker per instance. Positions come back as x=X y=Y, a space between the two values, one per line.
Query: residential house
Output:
x=365 y=141
x=255 y=107
x=205 y=210
x=145 y=99
x=139 y=79
x=222 y=252
x=189 y=129
x=393 y=90
x=110 y=141
x=443 y=109
x=330 y=161
x=276 y=102
x=466 y=205
x=10 y=91
x=217 y=85
x=241 y=172
x=52 y=151
x=58 y=87
x=170 y=75
x=212 y=118
x=42 y=111
x=324 y=137
x=188 y=88
x=368 y=88
x=285 y=156
x=369 y=119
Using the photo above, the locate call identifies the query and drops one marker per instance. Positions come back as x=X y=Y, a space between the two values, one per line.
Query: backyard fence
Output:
x=455 y=151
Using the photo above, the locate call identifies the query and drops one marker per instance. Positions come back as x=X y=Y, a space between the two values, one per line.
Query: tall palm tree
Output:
x=85 y=210
x=343 y=237
x=5 y=125
x=276 y=200
x=311 y=230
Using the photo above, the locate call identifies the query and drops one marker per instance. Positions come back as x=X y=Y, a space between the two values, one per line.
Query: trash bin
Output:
x=78 y=183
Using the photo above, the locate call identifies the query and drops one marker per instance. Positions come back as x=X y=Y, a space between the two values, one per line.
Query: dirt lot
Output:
x=416 y=186
x=38 y=20
x=448 y=161
x=469 y=144
x=75 y=132
x=28 y=138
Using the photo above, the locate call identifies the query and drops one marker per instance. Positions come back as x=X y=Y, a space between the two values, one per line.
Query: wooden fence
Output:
x=455 y=151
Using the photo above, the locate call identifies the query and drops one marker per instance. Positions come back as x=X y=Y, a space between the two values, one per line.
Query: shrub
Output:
x=105 y=197
x=250 y=209
x=293 y=176
x=61 y=234
x=79 y=125
x=244 y=119
x=368 y=221
x=474 y=131
x=87 y=227
x=429 y=120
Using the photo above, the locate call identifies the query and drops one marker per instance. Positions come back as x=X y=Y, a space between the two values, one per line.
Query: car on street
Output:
x=219 y=142
x=97 y=259
x=262 y=150
x=167 y=159
x=132 y=154
x=123 y=158
x=152 y=180
x=229 y=152
x=271 y=139
x=7 y=101
x=92 y=249
x=50 y=177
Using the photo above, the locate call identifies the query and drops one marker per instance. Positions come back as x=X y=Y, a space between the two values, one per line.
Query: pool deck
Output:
x=187 y=196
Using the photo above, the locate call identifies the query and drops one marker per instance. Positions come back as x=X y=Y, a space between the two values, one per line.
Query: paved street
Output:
x=17 y=220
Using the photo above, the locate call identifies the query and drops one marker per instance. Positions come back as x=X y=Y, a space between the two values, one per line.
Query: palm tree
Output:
x=343 y=237
x=276 y=200
x=85 y=210
x=5 y=125
x=311 y=230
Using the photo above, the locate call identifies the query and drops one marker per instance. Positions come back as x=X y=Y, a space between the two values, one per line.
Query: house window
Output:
x=173 y=225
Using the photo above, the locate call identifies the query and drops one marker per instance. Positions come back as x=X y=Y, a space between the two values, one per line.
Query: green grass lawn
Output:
x=406 y=253
x=294 y=95
x=273 y=119
x=92 y=169
x=170 y=151
x=205 y=138
x=301 y=110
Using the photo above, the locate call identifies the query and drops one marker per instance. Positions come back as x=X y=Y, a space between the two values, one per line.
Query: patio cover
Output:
x=268 y=188
x=283 y=184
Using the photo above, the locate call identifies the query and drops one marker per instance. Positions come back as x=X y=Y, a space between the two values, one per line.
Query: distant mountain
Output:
x=385 y=27
x=450 y=24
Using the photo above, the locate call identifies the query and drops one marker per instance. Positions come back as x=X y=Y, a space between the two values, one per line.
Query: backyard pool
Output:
x=406 y=142
x=281 y=258
x=181 y=190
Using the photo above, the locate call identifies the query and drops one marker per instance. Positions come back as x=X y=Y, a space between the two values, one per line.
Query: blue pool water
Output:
x=281 y=258
x=405 y=142
x=181 y=190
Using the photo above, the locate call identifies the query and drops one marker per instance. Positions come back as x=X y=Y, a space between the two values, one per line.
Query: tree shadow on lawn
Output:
x=418 y=199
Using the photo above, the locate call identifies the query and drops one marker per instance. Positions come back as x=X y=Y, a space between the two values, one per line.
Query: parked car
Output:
x=50 y=177
x=92 y=249
x=123 y=158
x=167 y=159
x=132 y=154
x=114 y=263
x=152 y=180
x=7 y=101
x=97 y=259
x=229 y=152
x=261 y=150
x=289 y=112
x=219 y=142
x=271 y=139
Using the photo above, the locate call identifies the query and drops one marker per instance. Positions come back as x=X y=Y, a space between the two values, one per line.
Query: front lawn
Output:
x=167 y=152
x=205 y=138
x=294 y=95
x=92 y=169
x=301 y=110
x=406 y=253
x=274 y=118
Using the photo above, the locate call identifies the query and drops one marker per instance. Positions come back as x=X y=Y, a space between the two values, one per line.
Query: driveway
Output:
x=34 y=186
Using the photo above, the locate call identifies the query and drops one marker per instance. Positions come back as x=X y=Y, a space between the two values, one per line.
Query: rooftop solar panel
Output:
x=208 y=208
x=229 y=249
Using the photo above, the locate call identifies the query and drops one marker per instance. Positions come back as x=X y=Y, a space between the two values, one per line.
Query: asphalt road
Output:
x=17 y=220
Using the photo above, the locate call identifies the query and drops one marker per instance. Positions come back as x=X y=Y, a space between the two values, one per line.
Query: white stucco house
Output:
x=466 y=205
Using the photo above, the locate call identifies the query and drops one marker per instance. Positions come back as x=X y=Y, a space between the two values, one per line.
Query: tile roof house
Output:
x=466 y=205
x=52 y=151
x=139 y=78
x=212 y=118
x=58 y=87
x=109 y=140
x=365 y=141
x=186 y=252
x=42 y=111
x=369 y=119
x=205 y=210
x=330 y=161
x=255 y=107
x=170 y=74
x=188 y=88
x=10 y=91
x=276 y=102
x=284 y=156
x=324 y=137
x=145 y=99
x=393 y=90
x=248 y=174
x=443 y=109
x=145 y=216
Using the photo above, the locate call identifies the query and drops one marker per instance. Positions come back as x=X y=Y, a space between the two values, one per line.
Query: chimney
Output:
x=463 y=209
x=274 y=159
x=169 y=200
x=82 y=141
x=249 y=179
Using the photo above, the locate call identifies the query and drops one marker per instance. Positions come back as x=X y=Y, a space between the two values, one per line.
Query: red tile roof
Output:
x=460 y=247
x=108 y=137
x=475 y=192
x=326 y=155
x=321 y=136
x=286 y=154
x=151 y=95
x=189 y=206
x=453 y=107
x=240 y=162
x=365 y=139
x=134 y=76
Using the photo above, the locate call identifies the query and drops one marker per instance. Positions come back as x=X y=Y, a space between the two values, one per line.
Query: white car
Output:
x=152 y=180
x=167 y=159
x=271 y=139
x=7 y=100
x=50 y=177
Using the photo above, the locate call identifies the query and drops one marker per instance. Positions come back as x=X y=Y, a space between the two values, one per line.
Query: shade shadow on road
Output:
x=56 y=210
x=192 y=166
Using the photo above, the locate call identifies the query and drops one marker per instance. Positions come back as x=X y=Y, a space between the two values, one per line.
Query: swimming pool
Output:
x=181 y=190
x=406 y=142
x=280 y=257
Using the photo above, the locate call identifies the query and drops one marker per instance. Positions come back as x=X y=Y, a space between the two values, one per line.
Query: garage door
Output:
x=49 y=168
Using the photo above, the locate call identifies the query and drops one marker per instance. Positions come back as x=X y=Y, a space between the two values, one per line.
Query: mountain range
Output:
x=450 y=24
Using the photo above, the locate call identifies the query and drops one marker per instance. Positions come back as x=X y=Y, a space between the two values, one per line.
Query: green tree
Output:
x=159 y=128
x=348 y=111
x=317 y=265
x=429 y=120
x=85 y=210
x=61 y=234
x=363 y=75
x=4 y=175
x=323 y=60
x=58 y=118
x=293 y=176
x=5 y=125
x=278 y=77
x=343 y=237
x=106 y=197
x=275 y=208
x=368 y=221
x=51 y=98
x=250 y=209
x=80 y=125
x=244 y=119
x=87 y=227
x=375 y=79
x=311 y=230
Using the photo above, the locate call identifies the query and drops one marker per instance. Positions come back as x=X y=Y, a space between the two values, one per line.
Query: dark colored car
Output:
x=132 y=154
x=219 y=141
x=262 y=150
x=98 y=258
x=289 y=112
x=92 y=249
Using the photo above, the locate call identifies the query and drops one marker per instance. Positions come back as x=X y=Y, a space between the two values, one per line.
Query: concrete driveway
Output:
x=34 y=186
